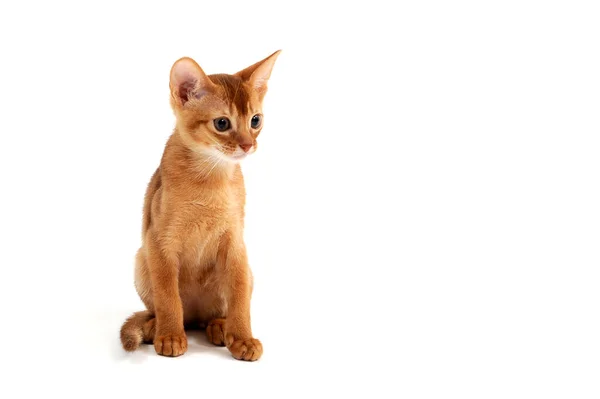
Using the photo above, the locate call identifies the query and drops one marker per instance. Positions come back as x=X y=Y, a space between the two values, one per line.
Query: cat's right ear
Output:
x=188 y=81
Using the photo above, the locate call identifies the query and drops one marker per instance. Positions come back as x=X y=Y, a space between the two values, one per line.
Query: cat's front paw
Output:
x=245 y=349
x=174 y=344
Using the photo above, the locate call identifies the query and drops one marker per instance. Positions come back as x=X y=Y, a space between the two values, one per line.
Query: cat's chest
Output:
x=200 y=218
x=202 y=221
x=209 y=209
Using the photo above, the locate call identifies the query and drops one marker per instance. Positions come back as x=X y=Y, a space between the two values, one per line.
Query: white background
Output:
x=423 y=210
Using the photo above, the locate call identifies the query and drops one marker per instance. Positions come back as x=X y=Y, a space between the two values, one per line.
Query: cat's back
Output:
x=152 y=191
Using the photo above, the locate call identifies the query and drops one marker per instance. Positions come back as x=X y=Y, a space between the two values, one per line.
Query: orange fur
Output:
x=192 y=267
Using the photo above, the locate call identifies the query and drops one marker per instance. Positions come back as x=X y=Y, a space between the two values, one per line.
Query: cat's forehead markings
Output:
x=235 y=92
x=233 y=112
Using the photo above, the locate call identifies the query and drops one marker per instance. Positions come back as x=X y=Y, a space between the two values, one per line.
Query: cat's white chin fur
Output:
x=237 y=158
x=234 y=157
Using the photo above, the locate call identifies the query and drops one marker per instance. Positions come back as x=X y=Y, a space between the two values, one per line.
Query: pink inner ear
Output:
x=186 y=89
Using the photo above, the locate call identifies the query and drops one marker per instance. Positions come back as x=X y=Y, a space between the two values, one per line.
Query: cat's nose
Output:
x=246 y=147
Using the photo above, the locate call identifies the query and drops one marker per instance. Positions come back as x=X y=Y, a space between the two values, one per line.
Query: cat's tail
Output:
x=138 y=328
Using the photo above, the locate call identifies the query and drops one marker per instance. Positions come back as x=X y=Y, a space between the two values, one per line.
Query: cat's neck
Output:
x=187 y=166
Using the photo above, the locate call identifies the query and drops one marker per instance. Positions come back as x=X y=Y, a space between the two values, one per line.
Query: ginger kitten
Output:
x=192 y=267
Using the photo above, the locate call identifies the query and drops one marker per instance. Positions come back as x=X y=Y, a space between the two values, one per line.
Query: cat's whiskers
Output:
x=218 y=146
x=203 y=164
x=217 y=162
x=209 y=161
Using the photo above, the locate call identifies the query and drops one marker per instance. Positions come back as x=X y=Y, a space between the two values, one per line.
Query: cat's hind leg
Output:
x=149 y=330
x=215 y=332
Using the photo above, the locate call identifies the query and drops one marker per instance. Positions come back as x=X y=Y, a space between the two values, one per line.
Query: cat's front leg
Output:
x=169 y=338
x=235 y=273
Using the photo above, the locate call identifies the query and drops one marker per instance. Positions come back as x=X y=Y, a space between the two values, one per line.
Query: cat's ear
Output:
x=258 y=74
x=188 y=81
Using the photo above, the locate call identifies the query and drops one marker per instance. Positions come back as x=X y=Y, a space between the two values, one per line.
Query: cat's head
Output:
x=220 y=114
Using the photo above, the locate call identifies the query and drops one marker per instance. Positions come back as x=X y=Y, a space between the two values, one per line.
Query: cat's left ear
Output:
x=258 y=74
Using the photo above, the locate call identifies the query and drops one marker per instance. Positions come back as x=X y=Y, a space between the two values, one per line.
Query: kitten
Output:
x=192 y=267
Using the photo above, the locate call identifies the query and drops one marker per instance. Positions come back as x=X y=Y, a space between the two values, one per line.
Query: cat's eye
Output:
x=222 y=124
x=255 y=121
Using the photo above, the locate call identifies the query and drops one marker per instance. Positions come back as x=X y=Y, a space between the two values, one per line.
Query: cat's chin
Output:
x=236 y=157
x=214 y=153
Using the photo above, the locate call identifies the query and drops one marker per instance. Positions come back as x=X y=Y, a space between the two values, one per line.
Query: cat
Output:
x=192 y=267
